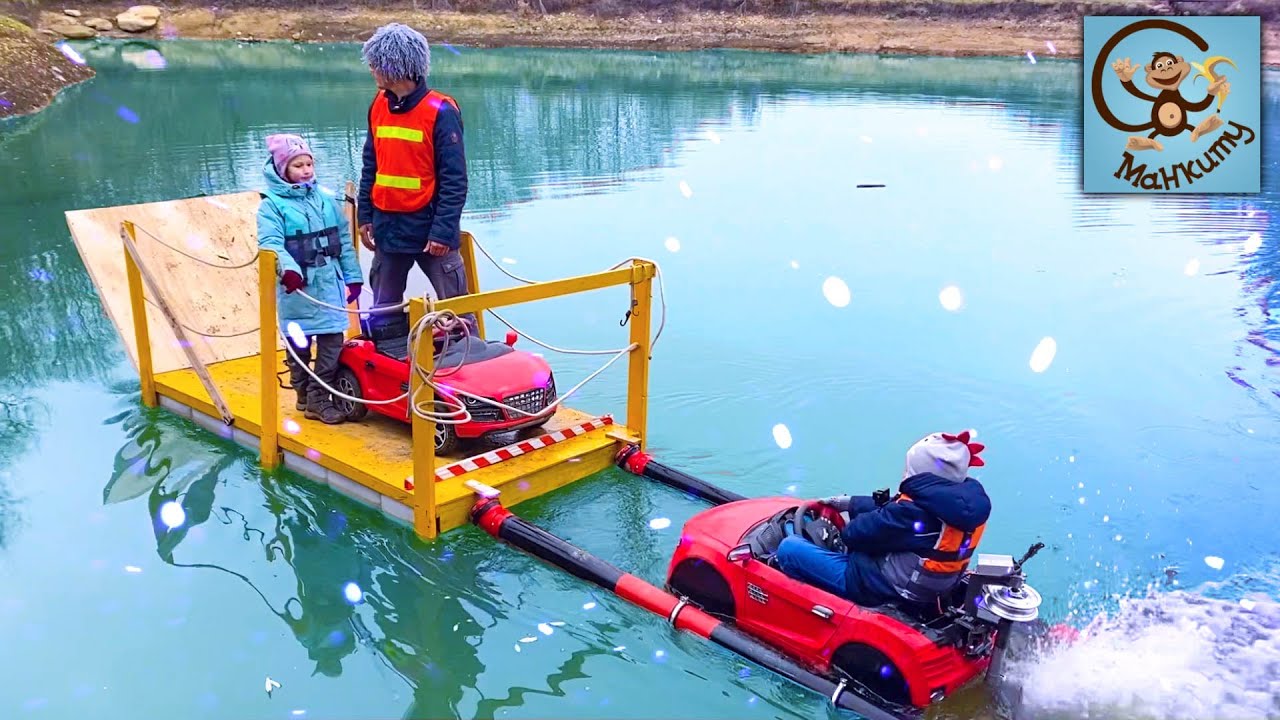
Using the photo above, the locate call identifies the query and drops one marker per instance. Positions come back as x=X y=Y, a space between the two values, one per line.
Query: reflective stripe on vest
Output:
x=405 y=153
x=951 y=553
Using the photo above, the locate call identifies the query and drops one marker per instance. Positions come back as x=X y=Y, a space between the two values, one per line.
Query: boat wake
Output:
x=1168 y=655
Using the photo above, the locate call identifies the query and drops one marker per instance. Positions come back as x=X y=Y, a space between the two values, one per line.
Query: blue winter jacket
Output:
x=288 y=208
x=884 y=541
x=441 y=219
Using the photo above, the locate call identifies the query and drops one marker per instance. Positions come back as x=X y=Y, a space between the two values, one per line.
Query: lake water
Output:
x=1143 y=453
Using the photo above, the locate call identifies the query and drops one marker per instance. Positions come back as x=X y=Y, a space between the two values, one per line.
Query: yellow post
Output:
x=638 y=362
x=142 y=338
x=467 y=250
x=269 y=446
x=353 y=320
x=425 y=520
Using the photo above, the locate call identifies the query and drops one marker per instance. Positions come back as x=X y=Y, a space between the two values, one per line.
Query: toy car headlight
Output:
x=470 y=401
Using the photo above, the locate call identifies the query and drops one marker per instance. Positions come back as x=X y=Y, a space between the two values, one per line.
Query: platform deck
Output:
x=371 y=459
x=189 y=292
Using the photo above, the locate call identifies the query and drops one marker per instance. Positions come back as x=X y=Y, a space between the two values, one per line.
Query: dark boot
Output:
x=326 y=412
x=319 y=402
x=299 y=380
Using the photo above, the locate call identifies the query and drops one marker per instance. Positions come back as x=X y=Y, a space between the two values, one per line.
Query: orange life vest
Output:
x=402 y=143
x=953 y=550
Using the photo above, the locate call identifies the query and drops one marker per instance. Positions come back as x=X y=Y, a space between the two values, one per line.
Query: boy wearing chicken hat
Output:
x=912 y=548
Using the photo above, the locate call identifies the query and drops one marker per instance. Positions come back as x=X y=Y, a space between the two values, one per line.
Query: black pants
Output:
x=328 y=348
x=389 y=275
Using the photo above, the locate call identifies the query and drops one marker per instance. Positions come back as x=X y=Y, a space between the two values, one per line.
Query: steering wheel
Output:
x=825 y=527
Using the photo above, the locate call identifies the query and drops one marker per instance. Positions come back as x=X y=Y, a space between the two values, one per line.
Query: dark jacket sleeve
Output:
x=890 y=528
x=364 y=212
x=451 y=177
x=859 y=504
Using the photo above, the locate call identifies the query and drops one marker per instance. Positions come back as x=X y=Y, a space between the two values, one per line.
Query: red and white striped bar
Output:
x=516 y=449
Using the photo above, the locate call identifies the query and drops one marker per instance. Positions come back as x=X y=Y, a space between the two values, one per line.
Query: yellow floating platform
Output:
x=220 y=381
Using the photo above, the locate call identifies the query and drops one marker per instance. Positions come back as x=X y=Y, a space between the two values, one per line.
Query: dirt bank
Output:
x=927 y=27
x=32 y=70
x=914 y=27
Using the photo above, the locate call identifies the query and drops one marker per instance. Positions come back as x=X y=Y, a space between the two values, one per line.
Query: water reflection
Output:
x=538 y=123
x=1247 y=242
x=297 y=546
x=21 y=418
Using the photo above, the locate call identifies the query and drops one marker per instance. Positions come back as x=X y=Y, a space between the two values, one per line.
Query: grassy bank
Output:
x=32 y=70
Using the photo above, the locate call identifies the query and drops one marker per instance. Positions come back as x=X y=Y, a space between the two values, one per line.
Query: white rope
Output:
x=447 y=318
x=459 y=414
x=662 y=300
x=371 y=311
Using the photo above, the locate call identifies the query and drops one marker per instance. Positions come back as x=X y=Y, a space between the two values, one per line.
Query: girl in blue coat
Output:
x=304 y=228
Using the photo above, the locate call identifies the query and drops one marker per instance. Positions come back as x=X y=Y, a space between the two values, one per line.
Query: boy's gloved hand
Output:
x=353 y=291
x=291 y=281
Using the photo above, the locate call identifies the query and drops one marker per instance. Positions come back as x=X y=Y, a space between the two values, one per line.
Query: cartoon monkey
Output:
x=1168 y=109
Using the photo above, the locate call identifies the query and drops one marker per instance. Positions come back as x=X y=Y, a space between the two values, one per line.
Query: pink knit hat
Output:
x=945 y=455
x=284 y=148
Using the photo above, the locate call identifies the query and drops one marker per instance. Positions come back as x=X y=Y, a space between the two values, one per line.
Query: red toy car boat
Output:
x=905 y=658
x=374 y=366
x=884 y=663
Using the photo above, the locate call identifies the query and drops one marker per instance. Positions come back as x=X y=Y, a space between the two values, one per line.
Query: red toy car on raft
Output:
x=374 y=366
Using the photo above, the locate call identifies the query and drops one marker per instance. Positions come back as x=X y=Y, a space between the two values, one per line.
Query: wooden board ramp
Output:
x=219 y=230
x=198 y=258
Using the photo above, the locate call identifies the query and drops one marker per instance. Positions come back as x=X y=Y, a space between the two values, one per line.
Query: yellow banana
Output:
x=1207 y=71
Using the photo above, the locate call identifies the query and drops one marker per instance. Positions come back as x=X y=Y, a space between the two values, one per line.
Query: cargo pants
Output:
x=389 y=275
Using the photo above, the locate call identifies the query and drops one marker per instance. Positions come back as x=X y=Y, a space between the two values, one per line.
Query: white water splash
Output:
x=836 y=291
x=1042 y=356
x=782 y=436
x=1170 y=655
x=951 y=298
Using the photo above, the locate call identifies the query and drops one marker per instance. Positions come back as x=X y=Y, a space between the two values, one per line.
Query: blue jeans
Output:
x=831 y=571
x=817 y=566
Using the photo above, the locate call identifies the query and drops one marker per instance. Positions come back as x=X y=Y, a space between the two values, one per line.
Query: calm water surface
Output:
x=1149 y=442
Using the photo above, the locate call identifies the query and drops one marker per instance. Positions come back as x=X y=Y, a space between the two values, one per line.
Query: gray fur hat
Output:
x=398 y=52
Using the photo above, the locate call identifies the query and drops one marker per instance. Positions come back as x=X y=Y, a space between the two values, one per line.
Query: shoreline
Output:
x=957 y=28
x=32 y=71
x=1032 y=29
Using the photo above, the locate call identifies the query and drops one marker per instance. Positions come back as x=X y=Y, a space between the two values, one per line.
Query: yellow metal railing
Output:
x=639 y=276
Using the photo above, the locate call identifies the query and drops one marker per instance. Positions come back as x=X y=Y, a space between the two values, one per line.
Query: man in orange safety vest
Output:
x=413 y=185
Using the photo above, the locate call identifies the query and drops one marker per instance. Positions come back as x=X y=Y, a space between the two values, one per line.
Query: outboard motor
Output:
x=998 y=594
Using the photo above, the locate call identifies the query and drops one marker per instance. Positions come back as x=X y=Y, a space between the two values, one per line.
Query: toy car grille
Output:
x=530 y=401
x=484 y=412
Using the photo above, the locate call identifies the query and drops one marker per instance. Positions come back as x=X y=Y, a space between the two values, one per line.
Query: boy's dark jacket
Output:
x=908 y=525
x=440 y=220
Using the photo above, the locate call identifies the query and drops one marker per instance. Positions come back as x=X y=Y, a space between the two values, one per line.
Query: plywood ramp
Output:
x=218 y=232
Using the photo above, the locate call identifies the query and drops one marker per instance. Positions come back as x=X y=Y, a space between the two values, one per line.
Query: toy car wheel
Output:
x=447 y=440
x=347 y=384
x=873 y=670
